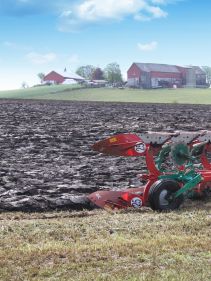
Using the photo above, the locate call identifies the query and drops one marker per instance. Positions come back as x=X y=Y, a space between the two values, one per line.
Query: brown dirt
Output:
x=45 y=147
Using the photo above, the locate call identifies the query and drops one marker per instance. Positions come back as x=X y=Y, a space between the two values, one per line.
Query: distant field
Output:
x=44 y=92
x=74 y=93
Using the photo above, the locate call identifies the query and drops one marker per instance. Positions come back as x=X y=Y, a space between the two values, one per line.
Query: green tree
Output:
x=98 y=74
x=113 y=73
x=41 y=77
x=86 y=71
x=207 y=70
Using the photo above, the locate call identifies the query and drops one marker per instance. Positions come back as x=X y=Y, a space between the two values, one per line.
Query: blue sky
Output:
x=44 y=35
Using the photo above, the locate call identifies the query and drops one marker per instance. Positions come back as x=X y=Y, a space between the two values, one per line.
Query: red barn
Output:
x=54 y=77
x=59 y=78
x=152 y=75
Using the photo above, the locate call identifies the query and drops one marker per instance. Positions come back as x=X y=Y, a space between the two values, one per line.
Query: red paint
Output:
x=165 y=75
x=134 y=71
x=54 y=76
x=129 y=145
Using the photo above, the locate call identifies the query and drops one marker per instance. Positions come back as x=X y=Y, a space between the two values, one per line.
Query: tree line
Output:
x=111 y=73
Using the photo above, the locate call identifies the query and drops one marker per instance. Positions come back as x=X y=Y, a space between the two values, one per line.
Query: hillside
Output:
x=75 y=93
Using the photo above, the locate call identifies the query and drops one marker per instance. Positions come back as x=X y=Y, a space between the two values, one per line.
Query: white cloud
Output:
x=82 y=10
x=141 y=17
x=165 y=2
x=66 y=13
x=156 y=12
x=37 y=58
x=92 y=11
x=148 y=47
x=74 y=13
x=158 y=1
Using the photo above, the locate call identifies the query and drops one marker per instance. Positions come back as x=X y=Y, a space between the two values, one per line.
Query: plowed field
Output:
x=45 y=148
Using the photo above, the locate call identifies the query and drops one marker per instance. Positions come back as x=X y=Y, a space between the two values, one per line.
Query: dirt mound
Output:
x=45 y=148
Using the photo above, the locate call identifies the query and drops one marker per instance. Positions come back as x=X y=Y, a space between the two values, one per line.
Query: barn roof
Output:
x=148 y=67
x=70 y=75
x=198 y=70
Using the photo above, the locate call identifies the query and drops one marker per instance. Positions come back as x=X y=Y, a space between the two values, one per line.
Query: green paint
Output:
x=189 y=185
x=180 y=155
x=164 y=153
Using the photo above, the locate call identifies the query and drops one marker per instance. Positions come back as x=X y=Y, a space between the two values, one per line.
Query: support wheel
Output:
x=160 y=195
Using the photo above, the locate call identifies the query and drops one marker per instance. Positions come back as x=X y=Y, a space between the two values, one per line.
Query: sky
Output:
x=44 y=35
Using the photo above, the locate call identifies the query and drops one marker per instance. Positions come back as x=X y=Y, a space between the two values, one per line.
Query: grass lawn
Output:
x=97 y=245
x=74 y=93
x=38 y=92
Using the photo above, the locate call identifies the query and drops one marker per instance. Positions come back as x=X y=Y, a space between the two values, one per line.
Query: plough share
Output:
x=178 y=167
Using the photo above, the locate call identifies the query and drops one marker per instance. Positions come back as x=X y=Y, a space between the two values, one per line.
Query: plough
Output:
x=178 y=167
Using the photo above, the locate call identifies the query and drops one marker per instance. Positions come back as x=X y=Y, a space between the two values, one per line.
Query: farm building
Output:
x=151 y=75
x=59 y=78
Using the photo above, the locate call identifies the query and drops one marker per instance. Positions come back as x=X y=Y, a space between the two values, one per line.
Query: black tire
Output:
x=159 y=193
